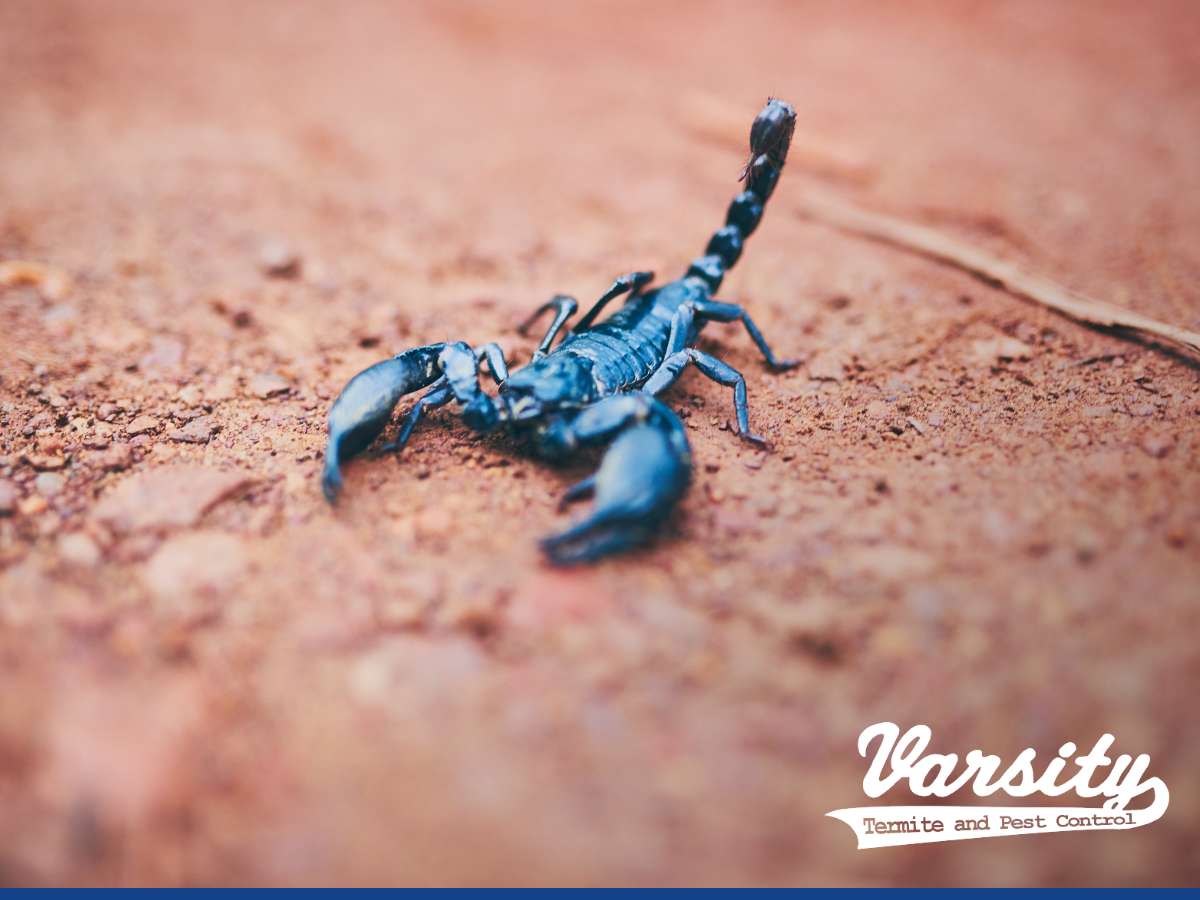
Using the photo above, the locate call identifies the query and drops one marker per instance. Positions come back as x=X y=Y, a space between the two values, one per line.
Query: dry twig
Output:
x=821 y=207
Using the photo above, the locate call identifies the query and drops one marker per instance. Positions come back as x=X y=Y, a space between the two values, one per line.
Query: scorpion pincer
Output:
x=600 y=384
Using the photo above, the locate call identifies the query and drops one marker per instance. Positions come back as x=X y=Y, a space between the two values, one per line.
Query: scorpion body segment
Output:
x=599 y=384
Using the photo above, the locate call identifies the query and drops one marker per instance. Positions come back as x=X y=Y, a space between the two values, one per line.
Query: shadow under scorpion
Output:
x=599 y=384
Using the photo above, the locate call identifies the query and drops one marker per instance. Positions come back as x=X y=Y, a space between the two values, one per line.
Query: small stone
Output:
x=100 y=437
x=116 y=458
x=190 y=575
x=1097 y=411
x=1142 y=409
x=45 y=461
x=224 y=388
x=278 y=260
x=990 y=350
x=8 y=498
x=77 y=549
x=169 y=496
x=49 y=484
x=878 y=409
x=164 y=353
x=434 y=523
x=469 y=612
x=767 y=506
x=142 y=425
x=827 y=366
x=107 y=411
x=32 y=505
x=399 y=612
x=51 y=283
x=268 y=385
x=197 y=431
x=1157 y=445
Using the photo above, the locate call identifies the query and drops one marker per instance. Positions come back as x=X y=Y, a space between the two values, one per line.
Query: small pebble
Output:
x=142 y=425
x=44 y=461
x=32 y=505
x=116 y=457
x=278 y=260
x=827 y=366
x=1157 y=445
x=77 y=549
x=99 y=438
x=48 y=484
x=268 y=385
x=197 y=431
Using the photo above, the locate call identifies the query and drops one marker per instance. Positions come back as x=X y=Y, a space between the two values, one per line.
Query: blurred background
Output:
x=214 y=214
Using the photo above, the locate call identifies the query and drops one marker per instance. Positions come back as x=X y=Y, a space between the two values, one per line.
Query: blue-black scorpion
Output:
x=599 y=384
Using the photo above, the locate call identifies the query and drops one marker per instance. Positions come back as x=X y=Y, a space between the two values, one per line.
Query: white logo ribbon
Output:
x=895 y=826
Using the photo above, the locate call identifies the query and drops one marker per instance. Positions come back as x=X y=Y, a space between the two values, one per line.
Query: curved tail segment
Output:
x=770 y=137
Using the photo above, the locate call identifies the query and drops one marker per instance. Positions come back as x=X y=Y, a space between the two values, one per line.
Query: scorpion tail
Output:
x=363 y=408
x=770 y=136
x=643 y=474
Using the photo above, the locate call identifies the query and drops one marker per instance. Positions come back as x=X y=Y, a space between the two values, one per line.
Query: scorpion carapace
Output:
x=599 y=384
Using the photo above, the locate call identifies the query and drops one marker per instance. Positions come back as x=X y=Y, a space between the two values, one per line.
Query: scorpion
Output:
x=599 y=384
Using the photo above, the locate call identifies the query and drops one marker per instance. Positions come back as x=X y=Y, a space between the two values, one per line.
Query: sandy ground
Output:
x=976 y=514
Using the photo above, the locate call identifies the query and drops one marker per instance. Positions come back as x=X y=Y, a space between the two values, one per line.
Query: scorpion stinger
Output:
x=599 y=383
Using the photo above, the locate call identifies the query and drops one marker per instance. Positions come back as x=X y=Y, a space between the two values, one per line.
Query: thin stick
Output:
x=825 y=209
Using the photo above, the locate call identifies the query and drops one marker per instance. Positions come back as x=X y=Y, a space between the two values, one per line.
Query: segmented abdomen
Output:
x=628 y=346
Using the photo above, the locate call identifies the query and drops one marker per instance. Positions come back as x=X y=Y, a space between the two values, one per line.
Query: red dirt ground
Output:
x=976 y=515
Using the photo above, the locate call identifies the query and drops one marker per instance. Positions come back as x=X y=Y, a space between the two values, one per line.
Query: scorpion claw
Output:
x=331 y=479
x=578 y=491
x=365 y=405
x=643 y=474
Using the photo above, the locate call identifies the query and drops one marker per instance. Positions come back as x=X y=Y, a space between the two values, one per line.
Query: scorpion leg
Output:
x=716 y=311
x=365 y=405
x=442 y=393
x=495 y=360
x=644 y=472
x=718 y=371
x=564 y=307
x=633 y=282
x=679 y=355
x=439 y=395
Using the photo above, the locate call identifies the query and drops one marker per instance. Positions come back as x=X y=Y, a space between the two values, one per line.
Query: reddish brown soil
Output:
x=211 y=677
